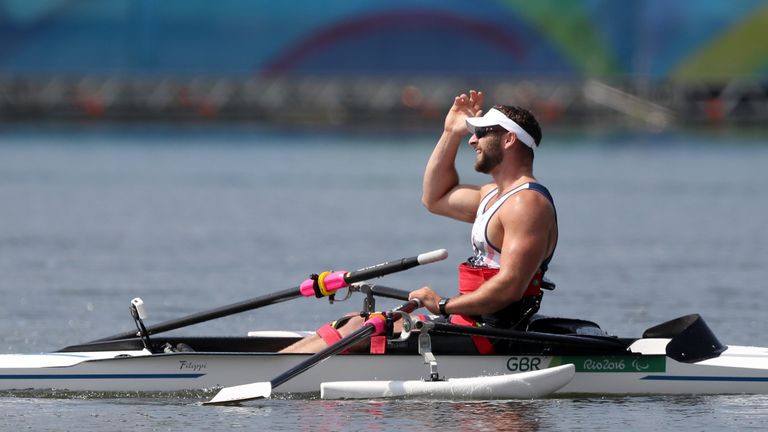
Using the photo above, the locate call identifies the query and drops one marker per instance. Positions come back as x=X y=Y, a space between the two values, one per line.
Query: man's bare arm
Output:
x=442 y=192
x=528 y=220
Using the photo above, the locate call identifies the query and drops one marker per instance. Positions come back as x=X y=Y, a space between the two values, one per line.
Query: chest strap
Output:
x=471 y=277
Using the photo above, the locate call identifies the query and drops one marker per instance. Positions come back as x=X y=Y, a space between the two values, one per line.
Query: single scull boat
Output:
x=553 y=355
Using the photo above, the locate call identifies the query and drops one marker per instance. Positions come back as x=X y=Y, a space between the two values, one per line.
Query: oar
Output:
x=333 y=281
x=524 y=336
x=260 y=390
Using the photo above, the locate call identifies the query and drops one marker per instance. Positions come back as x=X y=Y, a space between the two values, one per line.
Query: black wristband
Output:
x=441 y=305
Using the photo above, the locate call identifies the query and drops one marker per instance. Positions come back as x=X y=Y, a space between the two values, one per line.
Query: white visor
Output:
x=495 y=117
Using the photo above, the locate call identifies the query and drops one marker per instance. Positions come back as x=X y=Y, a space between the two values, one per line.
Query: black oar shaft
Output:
x=353 y=339
x=350 y=340
x=526 y=336
x=269 y=299
x=380 y=270
x=219 y=312
x=243 y=306
x=395 y=266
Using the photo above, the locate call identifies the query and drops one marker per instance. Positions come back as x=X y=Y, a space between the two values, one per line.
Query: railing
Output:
x=372 y=101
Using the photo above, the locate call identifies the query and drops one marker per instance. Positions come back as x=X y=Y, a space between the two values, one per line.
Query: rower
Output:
x=514 y=222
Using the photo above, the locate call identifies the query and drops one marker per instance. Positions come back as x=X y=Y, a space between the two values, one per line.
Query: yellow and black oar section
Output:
x=376 y=324
x=331 y=282
x=327 y=283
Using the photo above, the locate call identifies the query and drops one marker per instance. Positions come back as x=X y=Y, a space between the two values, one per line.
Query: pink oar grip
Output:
x=307 y=288
x=332 y=281
x=335 y=281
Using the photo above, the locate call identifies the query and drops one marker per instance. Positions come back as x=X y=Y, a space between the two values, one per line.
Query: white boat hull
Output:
x=737 y=370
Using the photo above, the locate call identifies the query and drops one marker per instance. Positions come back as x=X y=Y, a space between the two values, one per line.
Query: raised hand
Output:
x=464 y=106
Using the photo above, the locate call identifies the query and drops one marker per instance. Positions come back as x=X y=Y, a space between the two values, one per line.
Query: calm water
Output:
x=652 y=227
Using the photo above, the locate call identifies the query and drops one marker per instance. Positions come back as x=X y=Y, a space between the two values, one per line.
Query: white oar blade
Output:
x=241 y=393
x=526 y=385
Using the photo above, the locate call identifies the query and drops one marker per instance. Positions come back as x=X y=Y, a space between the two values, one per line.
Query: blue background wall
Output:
x=653 y=39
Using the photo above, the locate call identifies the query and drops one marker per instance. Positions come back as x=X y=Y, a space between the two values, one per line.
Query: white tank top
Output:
x=485 y=254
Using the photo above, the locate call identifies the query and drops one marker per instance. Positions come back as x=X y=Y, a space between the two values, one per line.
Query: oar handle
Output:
x=328 y=283
x=386 y=268
x=389 y=292
x=379 y=321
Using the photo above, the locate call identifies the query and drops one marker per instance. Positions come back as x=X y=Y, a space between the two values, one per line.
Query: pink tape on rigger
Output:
x=335 y=281
x=307 y=288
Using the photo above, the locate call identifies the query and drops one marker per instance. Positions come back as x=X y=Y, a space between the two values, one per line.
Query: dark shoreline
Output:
x=371 y=103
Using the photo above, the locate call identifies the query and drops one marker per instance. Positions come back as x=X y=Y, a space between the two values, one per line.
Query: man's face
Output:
x=488 y=149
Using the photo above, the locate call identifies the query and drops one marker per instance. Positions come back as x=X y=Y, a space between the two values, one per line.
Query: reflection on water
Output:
x=420 y=415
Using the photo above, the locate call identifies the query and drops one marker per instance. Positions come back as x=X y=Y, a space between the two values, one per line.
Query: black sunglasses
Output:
x=483 y=131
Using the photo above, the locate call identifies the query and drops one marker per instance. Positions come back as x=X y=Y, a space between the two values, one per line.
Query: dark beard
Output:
x=490 y=157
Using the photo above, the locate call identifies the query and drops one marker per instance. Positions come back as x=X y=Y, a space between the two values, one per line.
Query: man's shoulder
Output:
x=527 y=202
x=487 y=188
